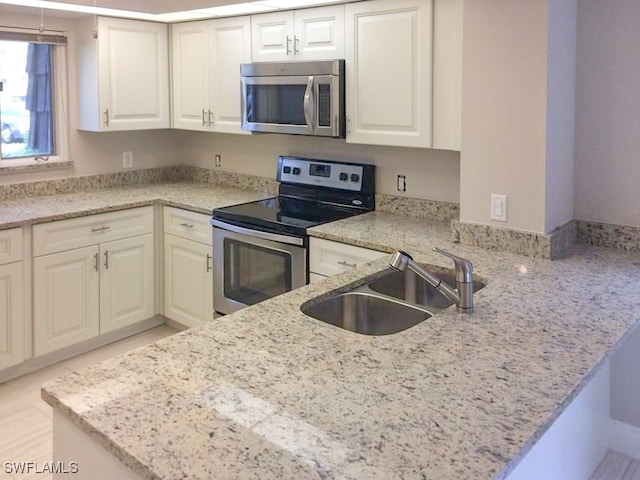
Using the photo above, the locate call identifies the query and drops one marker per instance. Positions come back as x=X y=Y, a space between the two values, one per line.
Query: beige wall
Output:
x=607 y=176
x=431 y=174
x=504 y=111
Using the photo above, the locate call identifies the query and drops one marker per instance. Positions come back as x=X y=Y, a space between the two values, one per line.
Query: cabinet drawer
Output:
x=10 y=245
x=186 y=224
x=328 y=258
x=91 y=230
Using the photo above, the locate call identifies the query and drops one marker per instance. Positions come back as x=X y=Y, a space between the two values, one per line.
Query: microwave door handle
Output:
x=308 y=102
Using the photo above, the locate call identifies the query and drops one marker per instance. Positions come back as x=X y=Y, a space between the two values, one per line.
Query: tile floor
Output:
x=25 y=420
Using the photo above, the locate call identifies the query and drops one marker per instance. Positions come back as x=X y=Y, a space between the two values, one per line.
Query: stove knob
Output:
x=286 y=169
x=355 y=177
x=344 y=177
x=296 y=171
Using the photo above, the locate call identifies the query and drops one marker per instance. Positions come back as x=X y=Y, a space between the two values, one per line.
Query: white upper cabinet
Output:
x=206 y=58
x=447 y=74
x=190 y=75
x=308 y=34
x=388 y=63
x=123 y=75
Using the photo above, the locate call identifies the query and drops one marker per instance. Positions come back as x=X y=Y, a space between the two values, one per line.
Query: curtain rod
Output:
x=56 y=37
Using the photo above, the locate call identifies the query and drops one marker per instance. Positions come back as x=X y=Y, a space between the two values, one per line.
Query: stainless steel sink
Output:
x=407 y=286
x=365 y=313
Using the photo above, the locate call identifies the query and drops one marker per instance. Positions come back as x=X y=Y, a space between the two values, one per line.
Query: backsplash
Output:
x=550 y=246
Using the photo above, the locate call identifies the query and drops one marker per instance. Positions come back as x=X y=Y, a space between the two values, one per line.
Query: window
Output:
x=32 y=113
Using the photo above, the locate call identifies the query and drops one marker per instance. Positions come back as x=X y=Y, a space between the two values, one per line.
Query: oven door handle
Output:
x=274 y=237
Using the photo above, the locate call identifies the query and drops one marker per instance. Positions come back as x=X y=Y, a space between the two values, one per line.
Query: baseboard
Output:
x=625 y=439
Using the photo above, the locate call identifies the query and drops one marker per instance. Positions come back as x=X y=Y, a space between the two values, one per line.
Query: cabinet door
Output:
x=319 y=33
x=190 y=68
x=126 y=282
x=272 y=37
x=230 y=45
x=388 y=53
x=134 y=74
x=188 y=281
x=11 y=321
x=65 y=299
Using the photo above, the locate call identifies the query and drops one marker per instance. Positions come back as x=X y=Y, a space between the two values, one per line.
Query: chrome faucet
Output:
x=462 y=295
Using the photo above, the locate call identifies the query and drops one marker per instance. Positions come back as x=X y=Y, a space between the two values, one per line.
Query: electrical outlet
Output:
x=401 y=183
x=499 y=207
x=127 y=159
x=218 y=160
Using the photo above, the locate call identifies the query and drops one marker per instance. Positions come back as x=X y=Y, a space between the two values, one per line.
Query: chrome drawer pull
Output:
x=208 y=263
x=101 y=229
x=106 y=259
x=186 y=225
x=97 y=264
x=347 y=264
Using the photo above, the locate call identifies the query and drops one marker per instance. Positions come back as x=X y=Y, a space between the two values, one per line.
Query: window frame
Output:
x=60 y=96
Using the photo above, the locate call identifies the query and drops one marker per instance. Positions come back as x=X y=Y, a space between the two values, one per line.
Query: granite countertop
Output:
x=269 y=393
x=199 y=197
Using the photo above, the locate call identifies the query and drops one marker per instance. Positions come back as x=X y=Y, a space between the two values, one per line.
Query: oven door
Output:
x=252 y=266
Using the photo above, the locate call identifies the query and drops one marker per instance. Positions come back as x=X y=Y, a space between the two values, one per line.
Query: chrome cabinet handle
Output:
x=204 y=122
x=210 y=122
x=296 y=42
x=186 y=225
x=106 y=259
x=106 y=117
x=208 y=263
x=347 y=264
x=288 y=47
x=96 y=265
x=101 y=229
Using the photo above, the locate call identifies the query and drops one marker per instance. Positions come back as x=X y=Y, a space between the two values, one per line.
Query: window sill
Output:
x=24 y=165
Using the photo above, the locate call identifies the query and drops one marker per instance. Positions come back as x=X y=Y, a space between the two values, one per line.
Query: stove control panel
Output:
x=302 y=171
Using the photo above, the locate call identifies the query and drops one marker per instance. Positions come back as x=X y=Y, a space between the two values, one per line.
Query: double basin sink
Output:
x=385 y=304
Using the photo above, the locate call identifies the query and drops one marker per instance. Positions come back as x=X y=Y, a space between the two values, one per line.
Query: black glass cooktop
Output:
x=283 y=214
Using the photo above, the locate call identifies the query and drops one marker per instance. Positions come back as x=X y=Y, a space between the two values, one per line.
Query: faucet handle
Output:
x=464 y=267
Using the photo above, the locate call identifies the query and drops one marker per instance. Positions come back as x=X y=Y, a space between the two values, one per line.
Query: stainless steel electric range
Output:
x=260 y=249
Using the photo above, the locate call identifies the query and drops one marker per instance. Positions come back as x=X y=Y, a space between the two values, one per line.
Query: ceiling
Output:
x=157 y=10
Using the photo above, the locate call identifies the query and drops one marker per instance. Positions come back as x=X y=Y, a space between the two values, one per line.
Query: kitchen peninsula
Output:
x=271 y=393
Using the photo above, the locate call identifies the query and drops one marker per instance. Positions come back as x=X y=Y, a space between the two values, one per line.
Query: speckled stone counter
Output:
x=199 y=197
x=269 y=393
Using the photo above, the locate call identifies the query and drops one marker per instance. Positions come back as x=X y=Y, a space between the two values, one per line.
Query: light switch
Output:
x=499 y=207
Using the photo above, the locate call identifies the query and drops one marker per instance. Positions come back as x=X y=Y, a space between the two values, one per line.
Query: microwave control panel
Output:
x=301 y=171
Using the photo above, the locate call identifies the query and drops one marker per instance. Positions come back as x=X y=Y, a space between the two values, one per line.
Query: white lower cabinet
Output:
x=83 y=292
x=188 y=268
x=327 y=257
x=11 y=323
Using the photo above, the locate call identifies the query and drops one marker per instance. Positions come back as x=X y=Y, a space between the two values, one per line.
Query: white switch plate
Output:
x=499 y=207
x=127 y=159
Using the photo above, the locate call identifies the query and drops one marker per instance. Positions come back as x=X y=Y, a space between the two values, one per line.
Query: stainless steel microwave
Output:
x=300 y=98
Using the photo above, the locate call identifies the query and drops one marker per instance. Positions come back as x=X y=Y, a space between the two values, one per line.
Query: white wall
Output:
x=607 y=165
x=561 y=81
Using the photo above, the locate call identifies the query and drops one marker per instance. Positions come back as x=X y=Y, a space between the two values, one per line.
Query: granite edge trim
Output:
x=417 y=207
x=608 y=235
x=537 y=245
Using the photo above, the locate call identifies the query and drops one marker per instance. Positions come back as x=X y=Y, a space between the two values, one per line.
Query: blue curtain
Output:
x=38 y=100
